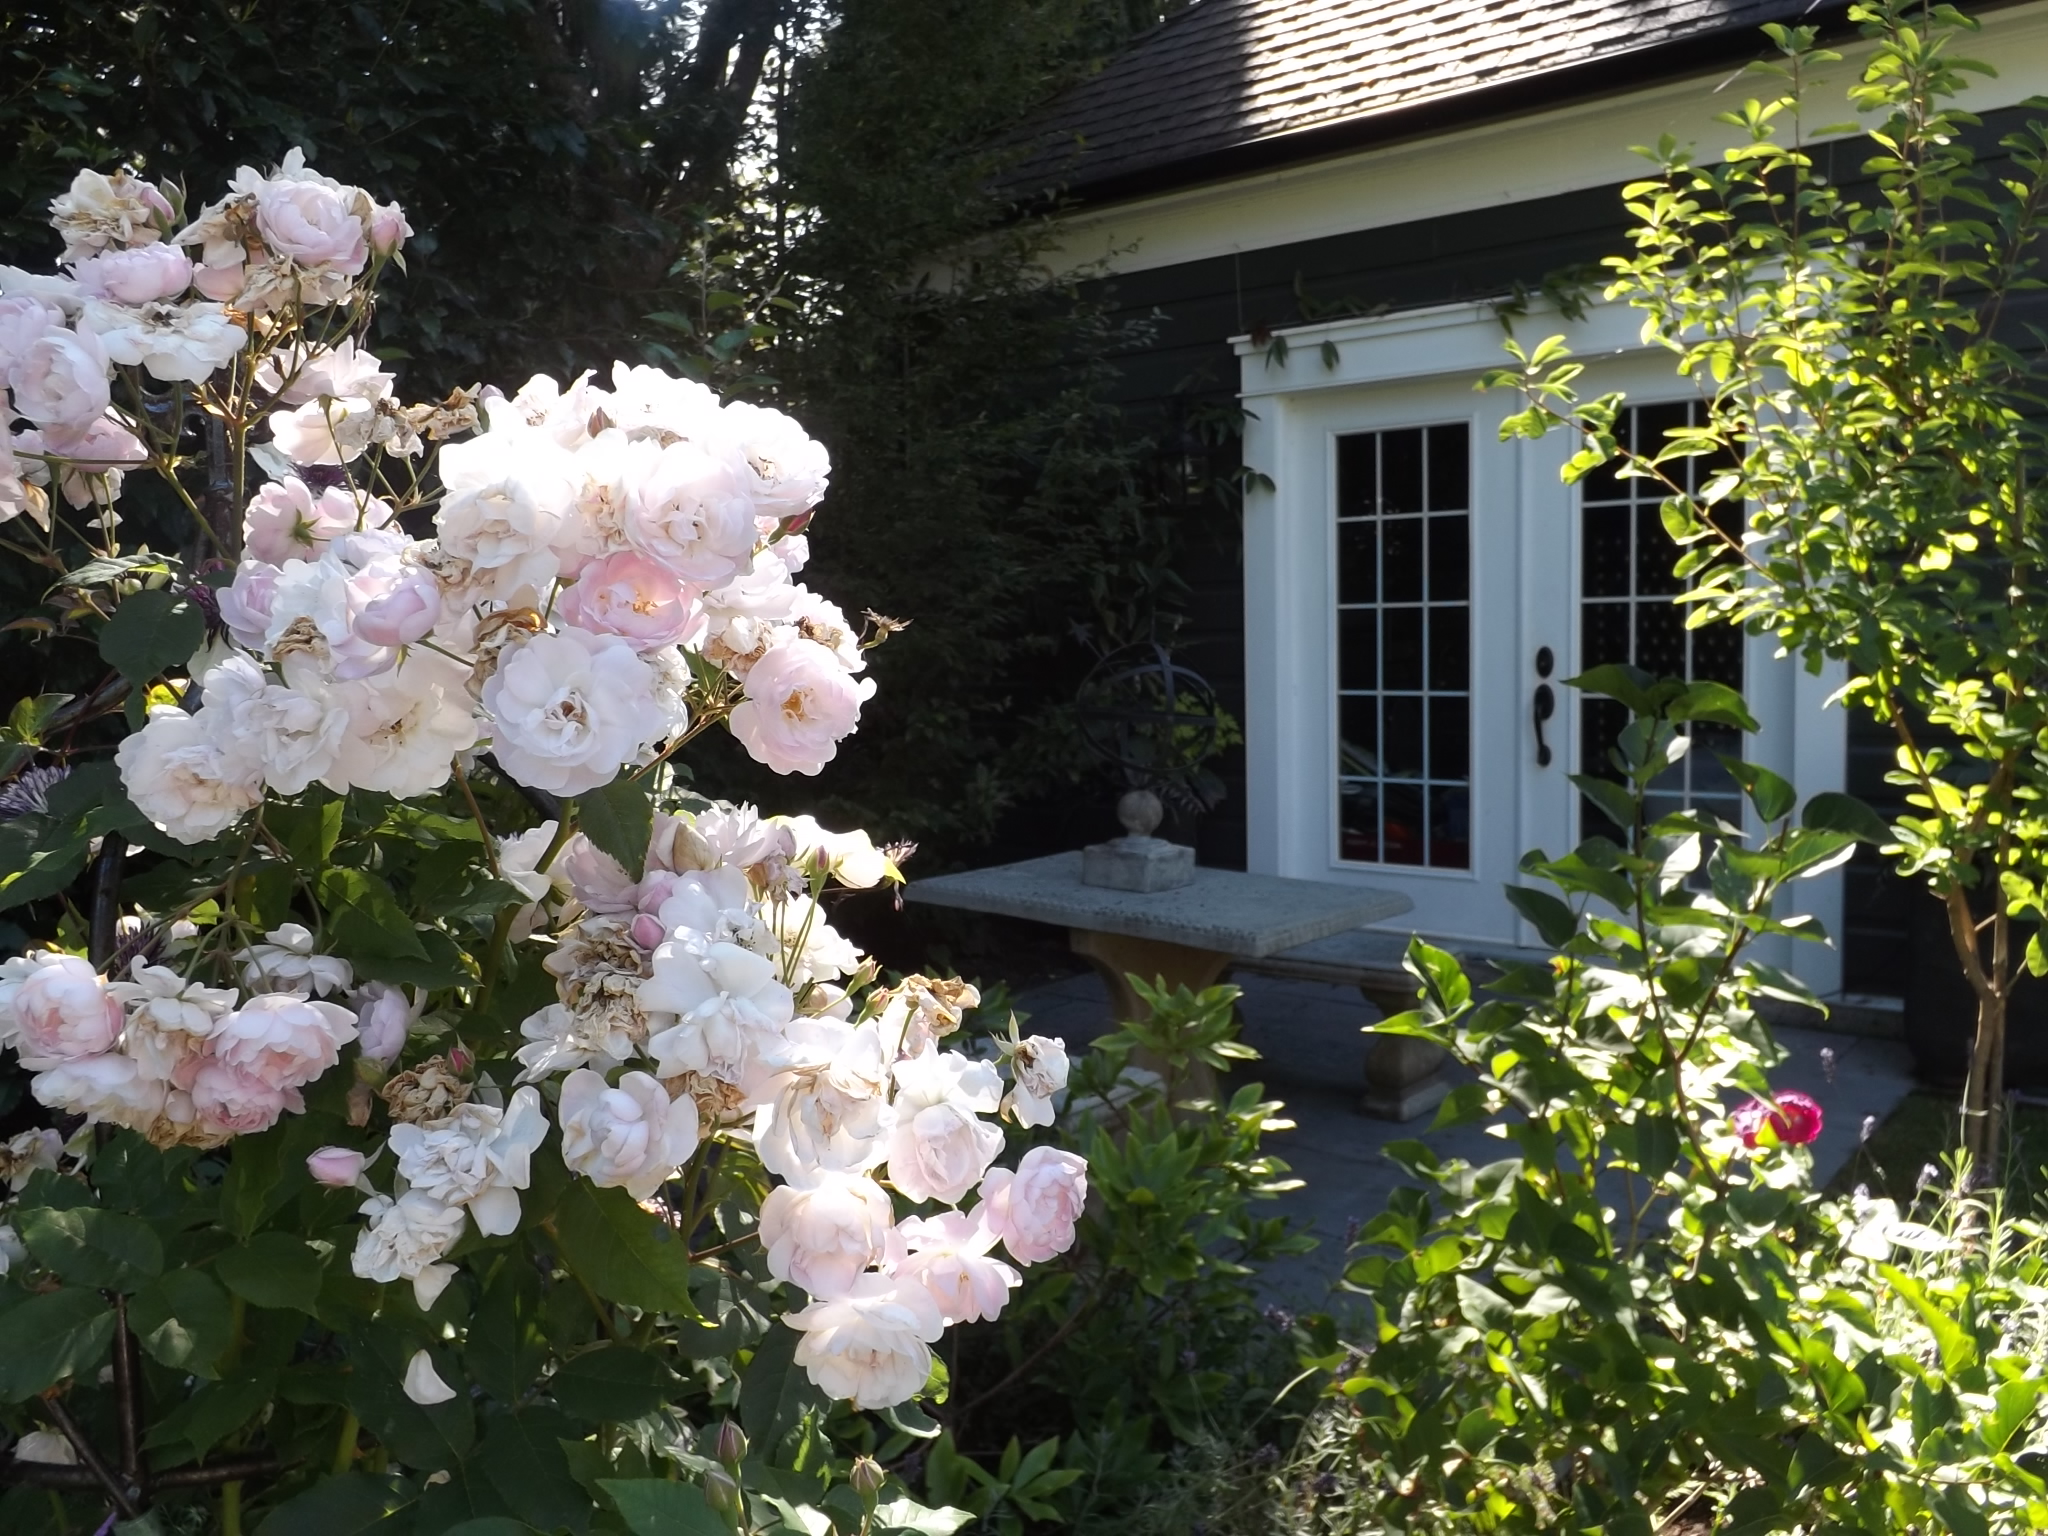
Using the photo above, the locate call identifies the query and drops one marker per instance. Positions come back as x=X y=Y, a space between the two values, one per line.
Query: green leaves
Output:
x=624 y=1253
x=353 y=1504
x=183 y=1319
x=619 y=819
x=368 y=925
x=273 y=1269
x=657 y=1507
x=51 y=1337
x=91 y=1247
x=610 y=1384
x=152 y=630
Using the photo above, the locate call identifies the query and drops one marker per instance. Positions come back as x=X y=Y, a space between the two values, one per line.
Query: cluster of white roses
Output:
x=585 y=542
x=605 y=561
x=181 y=1062
x=711 y=996
x=131 y=296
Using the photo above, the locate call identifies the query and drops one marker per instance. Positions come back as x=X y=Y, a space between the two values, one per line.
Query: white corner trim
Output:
x=1496 y=165
x=1422 y=343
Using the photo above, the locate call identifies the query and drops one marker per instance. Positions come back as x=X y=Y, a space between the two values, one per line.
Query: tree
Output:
x=1857 y=360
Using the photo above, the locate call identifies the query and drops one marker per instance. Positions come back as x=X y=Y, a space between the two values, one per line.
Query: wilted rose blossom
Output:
x=1796 y=1121
x=404 y=1236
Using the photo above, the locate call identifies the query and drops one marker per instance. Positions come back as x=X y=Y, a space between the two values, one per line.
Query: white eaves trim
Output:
x=1494 y=165
x=1463 y=338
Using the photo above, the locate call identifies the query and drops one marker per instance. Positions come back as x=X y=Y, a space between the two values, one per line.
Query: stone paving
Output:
x=1309 y=1036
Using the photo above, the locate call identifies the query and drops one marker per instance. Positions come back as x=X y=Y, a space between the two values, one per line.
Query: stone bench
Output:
x=1404 y=1077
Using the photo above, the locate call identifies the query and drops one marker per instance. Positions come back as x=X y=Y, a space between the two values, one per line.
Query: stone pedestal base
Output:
x=1138 y=864
x=1404 y=1078
x=1117 y=957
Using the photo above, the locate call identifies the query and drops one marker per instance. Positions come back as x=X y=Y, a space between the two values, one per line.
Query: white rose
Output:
x=283 y=1039
x=559 y=1039
x=301 y=374
x=384 y=1018
x=170 y=1018
x=949 y=1257
x=286 y=962
x=812 y=949
x=479 y=1157
x=405 y=727
x=315 y=223
x=172 y=342
x=824 y=1234
x=940 y=1147
x=799 y=703
x=24 y=321
x=790 y=468
x=183 y=778
x=113 y=1088
x=869 y=1347
x=508 y=492
x=61 y=380
x=1038 y=1066
x=1034 y=1210
x=288 y=737
x=404 y=1236
x=724 y=999
x=569 y=710
x=647 y=402
x=61 y=1011
x=632 y=1137
x=691 y=510
x=333 y=429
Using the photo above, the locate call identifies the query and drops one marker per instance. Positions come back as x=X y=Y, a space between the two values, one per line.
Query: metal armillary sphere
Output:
x=1151 y=718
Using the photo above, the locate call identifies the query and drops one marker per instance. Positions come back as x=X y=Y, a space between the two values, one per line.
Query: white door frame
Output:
x=1410 y=368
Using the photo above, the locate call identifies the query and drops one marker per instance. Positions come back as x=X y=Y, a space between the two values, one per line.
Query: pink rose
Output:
x=141 y=274
x=313 y=224
x=388 y=228
x=63 y=1011
x=283 y=1039
x=799 y=703
x=406 y=612
x=336 y=1167
x=285 y=520
x=629 y=595
x=1796 y=1122
x=1034 y=1210
x=949 y=1257
x=234 y=1102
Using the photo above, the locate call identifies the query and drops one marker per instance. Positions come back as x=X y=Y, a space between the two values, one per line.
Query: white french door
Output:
x=1416 y=592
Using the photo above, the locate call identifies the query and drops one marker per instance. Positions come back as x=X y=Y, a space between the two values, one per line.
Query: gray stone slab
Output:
x=1223 y=910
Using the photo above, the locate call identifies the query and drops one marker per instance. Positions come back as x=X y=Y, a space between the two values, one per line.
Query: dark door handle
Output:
x=1543 y=707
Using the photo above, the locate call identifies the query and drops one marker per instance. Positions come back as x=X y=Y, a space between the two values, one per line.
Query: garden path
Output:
x=1308 y=1034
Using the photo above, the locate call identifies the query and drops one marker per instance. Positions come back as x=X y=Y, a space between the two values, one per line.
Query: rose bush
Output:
x=447 y=1113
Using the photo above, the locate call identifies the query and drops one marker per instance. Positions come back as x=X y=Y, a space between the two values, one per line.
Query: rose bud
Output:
x=336 y=1167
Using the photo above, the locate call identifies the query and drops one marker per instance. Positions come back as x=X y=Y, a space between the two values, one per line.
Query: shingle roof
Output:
x=1225 y=75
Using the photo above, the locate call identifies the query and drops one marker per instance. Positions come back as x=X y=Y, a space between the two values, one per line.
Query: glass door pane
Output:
x=1404 y=646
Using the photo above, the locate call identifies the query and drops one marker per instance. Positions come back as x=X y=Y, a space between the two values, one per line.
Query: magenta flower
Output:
x=1796 y=1121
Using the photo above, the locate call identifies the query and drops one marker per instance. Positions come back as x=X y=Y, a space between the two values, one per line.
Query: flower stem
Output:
x=230 y=1509
x=345 y=1446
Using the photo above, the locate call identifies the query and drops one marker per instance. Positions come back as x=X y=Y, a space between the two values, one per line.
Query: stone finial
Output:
x=1140 y=812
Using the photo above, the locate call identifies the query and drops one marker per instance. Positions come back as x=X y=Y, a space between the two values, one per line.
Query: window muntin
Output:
x=1626 y=613
x=1404 y=646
